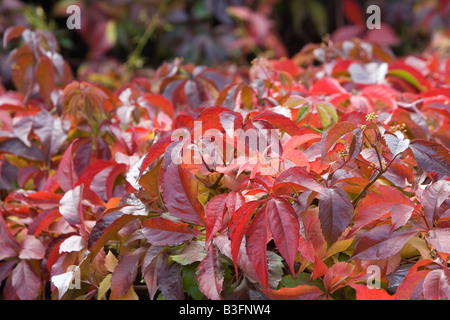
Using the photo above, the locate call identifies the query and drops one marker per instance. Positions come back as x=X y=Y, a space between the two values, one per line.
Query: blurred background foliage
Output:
x=120 y=37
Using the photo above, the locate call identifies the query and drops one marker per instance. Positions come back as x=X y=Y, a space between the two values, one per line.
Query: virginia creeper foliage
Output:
x=98 y=202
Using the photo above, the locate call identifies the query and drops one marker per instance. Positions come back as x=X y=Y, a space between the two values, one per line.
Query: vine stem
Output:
x=372 y=181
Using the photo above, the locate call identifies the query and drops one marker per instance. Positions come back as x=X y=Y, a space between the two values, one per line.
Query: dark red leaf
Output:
x=353 y=12
x=9 y=246
x=381 y=243
x=180 y=191
x=300 y=177
x=431 y=156
x=151 y=264
x=66 y=175
x=210 y=275
x=106 y=229
x=335 y=213
x=125 y=272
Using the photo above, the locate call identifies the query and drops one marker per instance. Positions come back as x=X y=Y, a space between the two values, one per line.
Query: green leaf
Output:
x=327 y=114
x=190 y=285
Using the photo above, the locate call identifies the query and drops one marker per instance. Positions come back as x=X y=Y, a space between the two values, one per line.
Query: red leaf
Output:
x=257 y=239
x=335 y=213
x=239 y=225
x=281 y=122
x=162 y=232
x=377 y=204
x=157 y=149
x=215 y=213
x=180 y=191
x=353 y=12
x=406 y=72
x=285 y=229
x=319 y=268
x=326 y=86
x=297 y=141
x=411 y=286
x=41 y=199
x=335 y=276
x=333 y=134
x=160 y=102
x=5 y=268
x=210 y=275
x=223 y=243
x=300 y=177
x=364 y=292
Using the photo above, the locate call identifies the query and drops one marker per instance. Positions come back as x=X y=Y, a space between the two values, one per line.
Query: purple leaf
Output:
x=335 y=213
x=381 y=243
x=431 y=156
x=31 y=248
x=25 y=281
x=125 y=272
x=9 y=245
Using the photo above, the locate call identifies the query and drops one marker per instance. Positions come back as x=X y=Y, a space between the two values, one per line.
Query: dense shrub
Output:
x=124 y=188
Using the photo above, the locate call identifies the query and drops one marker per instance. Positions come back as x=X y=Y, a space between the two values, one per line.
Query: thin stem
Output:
x=374 y=145
x=134 y=56
x=372 y=181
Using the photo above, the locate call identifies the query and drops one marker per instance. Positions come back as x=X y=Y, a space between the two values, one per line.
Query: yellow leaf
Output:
x=130 y=295
x=104 y=286
x=110 y=261
x=339 y=246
